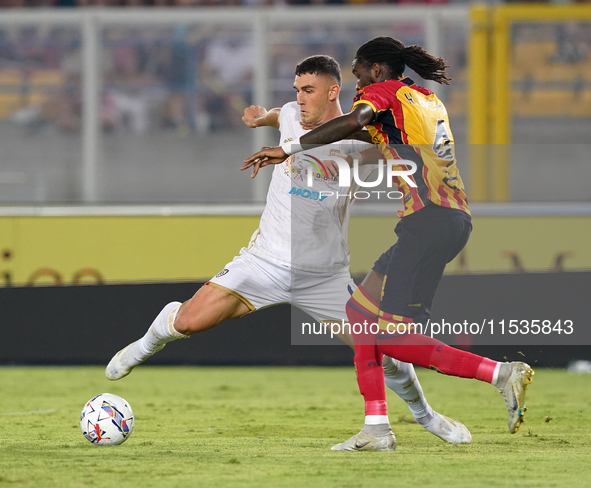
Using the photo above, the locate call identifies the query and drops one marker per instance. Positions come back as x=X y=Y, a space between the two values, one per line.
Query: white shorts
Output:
x=260 y=283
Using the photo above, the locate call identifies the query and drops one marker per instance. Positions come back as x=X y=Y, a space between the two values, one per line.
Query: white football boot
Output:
x=367 y=442
x=125 y=360
x=449 y=430
x=513 y=393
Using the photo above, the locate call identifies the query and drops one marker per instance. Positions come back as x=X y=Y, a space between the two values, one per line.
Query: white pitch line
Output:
x=32 y=412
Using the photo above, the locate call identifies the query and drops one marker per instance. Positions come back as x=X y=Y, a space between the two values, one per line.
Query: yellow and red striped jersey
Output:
x=411 y=123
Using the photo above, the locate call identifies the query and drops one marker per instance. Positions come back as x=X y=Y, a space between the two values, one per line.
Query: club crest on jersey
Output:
x=294 y=168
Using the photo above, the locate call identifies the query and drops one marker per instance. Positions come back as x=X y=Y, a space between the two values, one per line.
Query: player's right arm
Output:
x=362 y=135
x=332 y=131
x=340 y=127
x=257 y=116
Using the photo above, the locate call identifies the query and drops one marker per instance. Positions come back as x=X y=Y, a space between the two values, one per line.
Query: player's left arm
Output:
x=334 y=130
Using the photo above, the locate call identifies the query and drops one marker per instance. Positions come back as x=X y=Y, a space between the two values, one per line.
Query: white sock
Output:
x=501 y=374
x=401 y=379
x=376 y=420
x=377 y=425
x=160 y=332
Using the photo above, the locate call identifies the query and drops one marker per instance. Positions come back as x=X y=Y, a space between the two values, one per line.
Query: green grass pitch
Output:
x=273 y=427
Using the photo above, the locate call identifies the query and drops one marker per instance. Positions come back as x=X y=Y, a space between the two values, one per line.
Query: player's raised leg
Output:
x=510 y=378
x=207 y=308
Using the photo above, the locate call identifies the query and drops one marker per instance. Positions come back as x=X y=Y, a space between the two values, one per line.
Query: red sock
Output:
x=430 y=353
x=370 y=378
x=368 y=360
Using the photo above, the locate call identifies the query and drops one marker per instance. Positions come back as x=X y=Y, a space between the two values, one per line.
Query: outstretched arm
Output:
x=257 y=116
x=362 y=135
x=334 y=130
x=340 y=127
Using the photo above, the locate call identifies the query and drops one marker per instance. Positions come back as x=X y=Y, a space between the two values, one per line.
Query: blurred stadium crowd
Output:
x=196 y=78
x=204 y=3
x=223 y=3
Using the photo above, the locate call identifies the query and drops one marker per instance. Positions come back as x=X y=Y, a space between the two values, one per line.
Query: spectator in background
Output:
x=227 y=74
x=573 y=39
x=181 y=107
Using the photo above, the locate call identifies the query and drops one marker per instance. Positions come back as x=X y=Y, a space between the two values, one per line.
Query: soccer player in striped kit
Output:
x=408 y=122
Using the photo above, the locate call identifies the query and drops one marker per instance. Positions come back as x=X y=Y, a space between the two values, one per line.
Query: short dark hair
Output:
x=320 y=65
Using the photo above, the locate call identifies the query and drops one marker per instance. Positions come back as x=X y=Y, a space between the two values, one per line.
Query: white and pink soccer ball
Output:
x=106 y=419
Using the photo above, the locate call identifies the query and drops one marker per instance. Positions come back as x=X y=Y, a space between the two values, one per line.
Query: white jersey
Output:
x=305 y=227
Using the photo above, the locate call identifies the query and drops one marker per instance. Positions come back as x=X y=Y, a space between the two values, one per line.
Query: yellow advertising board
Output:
x=41 y=249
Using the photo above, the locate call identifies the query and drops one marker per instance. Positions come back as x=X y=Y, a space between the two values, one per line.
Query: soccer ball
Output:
x=106 y=419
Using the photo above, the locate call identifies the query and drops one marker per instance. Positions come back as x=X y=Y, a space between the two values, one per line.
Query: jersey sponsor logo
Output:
x=222 y=273
x=295 y=168
x=305 y=193
x=321 y=177
x=320 y=172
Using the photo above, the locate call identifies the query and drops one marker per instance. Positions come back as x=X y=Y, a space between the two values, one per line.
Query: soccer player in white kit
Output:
x=299 y=253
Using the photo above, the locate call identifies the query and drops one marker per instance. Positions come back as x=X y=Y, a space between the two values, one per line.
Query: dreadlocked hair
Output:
x=396 y=56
